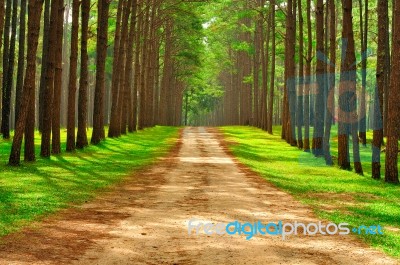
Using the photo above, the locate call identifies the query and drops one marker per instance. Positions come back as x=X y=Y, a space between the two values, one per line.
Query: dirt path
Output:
x=145 y=220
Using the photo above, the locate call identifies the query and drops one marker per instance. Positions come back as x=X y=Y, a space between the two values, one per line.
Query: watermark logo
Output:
x=280 y=228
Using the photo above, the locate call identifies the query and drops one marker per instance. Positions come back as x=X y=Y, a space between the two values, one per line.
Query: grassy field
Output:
x=334 y=194
x=33 y=190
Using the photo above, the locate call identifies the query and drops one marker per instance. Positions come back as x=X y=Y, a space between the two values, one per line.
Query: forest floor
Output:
x=145 y=219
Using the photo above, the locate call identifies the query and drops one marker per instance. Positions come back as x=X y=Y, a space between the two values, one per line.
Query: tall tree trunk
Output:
x=129 y=66
x=28 y=95
x=387 y=73
x=354 y=117
x=300 y=92
x=393 y=132
x=290 y=86
x=167 y=72
x=330 y=96
x=381 y=74
x=152 y=54
x=270 y=121
x=56 y=118
x=256 y=72
x=101 y=51
x=320 y=74
x=73 y=76
x=136 y=85
x=45 y=55
x=1 y=33
x=116 y=95
x=347 y=87
x=81 y=139
x=6 y=52
x=122 y=61
x=143 y=108
x=364 y=43
x=157 y=80
x=9 y=71
x=21 y=59
x=307 y=81
x=49 y=90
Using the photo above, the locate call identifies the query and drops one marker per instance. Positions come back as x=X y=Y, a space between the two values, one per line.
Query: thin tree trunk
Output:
x=307 y=81
x=256 y=72
x=129 y=66
x=143 y=122
x=364 y=43
x=264 y=69
x=136 y=86
x=6 y=52
x=45 y=55
x=272 y=76
x=21 y=59
x=1 y=32
x=300 y=92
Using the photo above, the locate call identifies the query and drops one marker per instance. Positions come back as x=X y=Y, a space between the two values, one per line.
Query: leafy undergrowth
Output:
x=34 y=190
x=334 y=194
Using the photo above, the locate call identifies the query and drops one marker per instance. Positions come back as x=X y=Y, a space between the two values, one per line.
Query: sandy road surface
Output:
x=145 y=220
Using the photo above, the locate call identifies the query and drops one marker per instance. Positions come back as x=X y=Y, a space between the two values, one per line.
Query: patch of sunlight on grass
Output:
x=32 y=190
x=334 y=194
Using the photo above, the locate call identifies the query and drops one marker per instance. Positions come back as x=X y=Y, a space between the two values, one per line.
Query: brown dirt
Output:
x=145 y=219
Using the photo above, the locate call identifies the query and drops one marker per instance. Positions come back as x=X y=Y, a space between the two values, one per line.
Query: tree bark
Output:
x=364 y=47
x=330 y=96
x=45 y=52
x=6 y=51
x=307 y=81
x=28 y=95
x=56 y=115
x=347 y=87
x=270 y=121
x=381 y=74
x=49 y=90
x=300 y=81
x=393 y=131
x=81 y=139
x=73 y=76
x=21 y=59
x=122 y=115
x=9 y=72
x=116 y=95
x=129 y=66
x=101 y=51
x=321 y=75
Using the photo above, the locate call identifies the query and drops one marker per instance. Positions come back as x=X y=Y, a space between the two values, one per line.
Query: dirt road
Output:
x=145 y=219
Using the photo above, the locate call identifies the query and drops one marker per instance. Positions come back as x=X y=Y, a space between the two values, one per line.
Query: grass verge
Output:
x=36 y=189
x=334 y=194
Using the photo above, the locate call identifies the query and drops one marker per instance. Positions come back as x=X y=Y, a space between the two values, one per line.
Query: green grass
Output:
x=334 y=194
x=34 y=190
